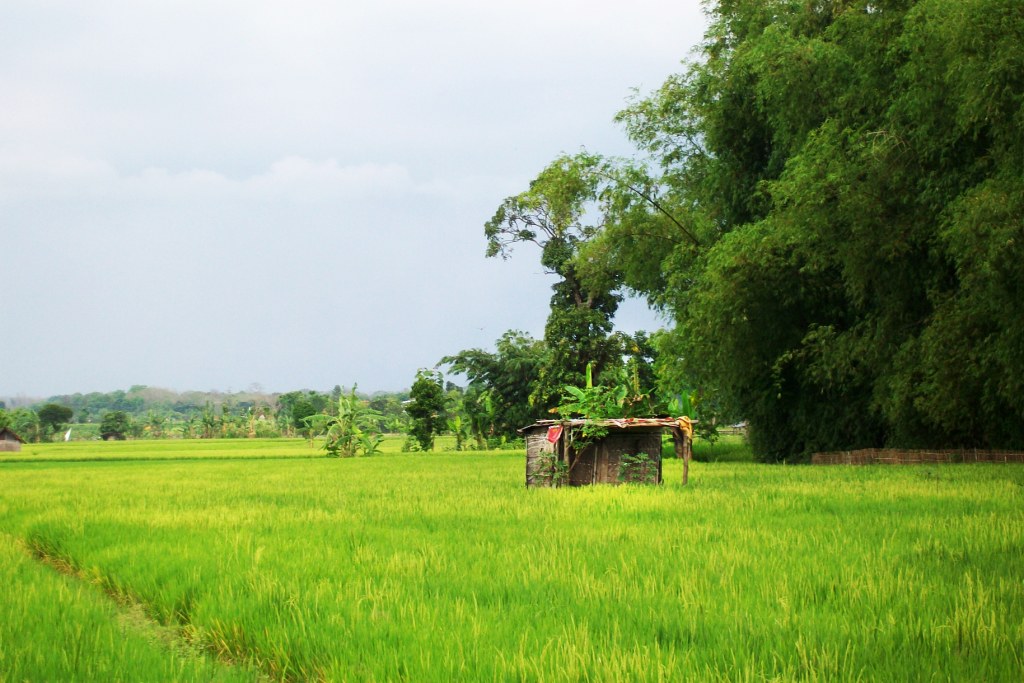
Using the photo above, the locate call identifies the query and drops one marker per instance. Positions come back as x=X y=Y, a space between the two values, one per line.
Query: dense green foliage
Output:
x=24 y=422
x=56 y=628
x=54 y=417
x=499 y=384
x=447 y=568
x=115 y=425
x=36 y=425
x=427 y=408
x=831 y=213
x=505 y=389
x=351 y=429
x=140 y=400
x=523 y=379
x=153 y=413
x=552 y=215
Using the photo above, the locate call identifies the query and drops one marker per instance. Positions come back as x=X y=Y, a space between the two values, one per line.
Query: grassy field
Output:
x=444 y=567
x=188 y=449
x=726 y=448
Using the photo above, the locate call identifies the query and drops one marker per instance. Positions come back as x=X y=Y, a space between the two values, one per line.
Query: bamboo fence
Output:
x=895 y=456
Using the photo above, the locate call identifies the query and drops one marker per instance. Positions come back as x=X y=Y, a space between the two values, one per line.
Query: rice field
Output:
x=444 y=567
x=183 y=449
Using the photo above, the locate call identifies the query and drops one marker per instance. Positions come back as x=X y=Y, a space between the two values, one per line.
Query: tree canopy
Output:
x=555 y=215
x=856 y=173
x=116 y=424
x=829 y=206
x=53 y=417
x=426 y=408
x=497 y=397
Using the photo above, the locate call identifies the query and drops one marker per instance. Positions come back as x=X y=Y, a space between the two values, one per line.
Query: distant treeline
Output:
x=140 y=399
x=160 y=413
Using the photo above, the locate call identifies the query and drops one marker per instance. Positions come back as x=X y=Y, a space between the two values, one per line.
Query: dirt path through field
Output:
x=132 y=614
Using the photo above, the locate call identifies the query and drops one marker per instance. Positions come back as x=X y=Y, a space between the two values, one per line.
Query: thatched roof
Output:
x=616 y=423
x=6 y=434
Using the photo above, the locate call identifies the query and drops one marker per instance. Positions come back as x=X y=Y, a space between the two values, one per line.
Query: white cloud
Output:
x=295 y=178
x=31 y=177
x=299 y=177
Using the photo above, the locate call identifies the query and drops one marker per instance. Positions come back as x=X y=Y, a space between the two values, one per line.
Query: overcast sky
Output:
x=212 y=194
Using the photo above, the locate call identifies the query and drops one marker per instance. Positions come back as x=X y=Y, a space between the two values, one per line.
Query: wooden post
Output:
x=682 y=446
x=686 y=458
x=661 y=462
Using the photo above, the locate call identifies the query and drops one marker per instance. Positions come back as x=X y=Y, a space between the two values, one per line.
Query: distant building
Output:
x=9 y=441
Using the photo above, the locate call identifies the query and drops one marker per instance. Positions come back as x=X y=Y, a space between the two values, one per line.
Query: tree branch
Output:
x=653 y=202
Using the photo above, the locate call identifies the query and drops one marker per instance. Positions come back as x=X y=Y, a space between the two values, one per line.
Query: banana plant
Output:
x=592 y=403
x=352 y=430
x=460 y=430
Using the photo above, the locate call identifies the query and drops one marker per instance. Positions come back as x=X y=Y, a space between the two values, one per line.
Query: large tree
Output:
x=427 y=408
x=557 y=214
x=53 y=417
x=116 y=424
x=839 y=232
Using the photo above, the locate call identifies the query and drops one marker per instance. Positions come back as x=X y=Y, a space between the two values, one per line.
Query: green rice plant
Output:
x=185 y=449
x=722 y=448
x=725 y=448
x=58 y=628
x=445 y=567
x=165 y=449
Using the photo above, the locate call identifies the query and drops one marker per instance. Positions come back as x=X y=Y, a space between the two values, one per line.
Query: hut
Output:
x=9 y=441
x=624 y=450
